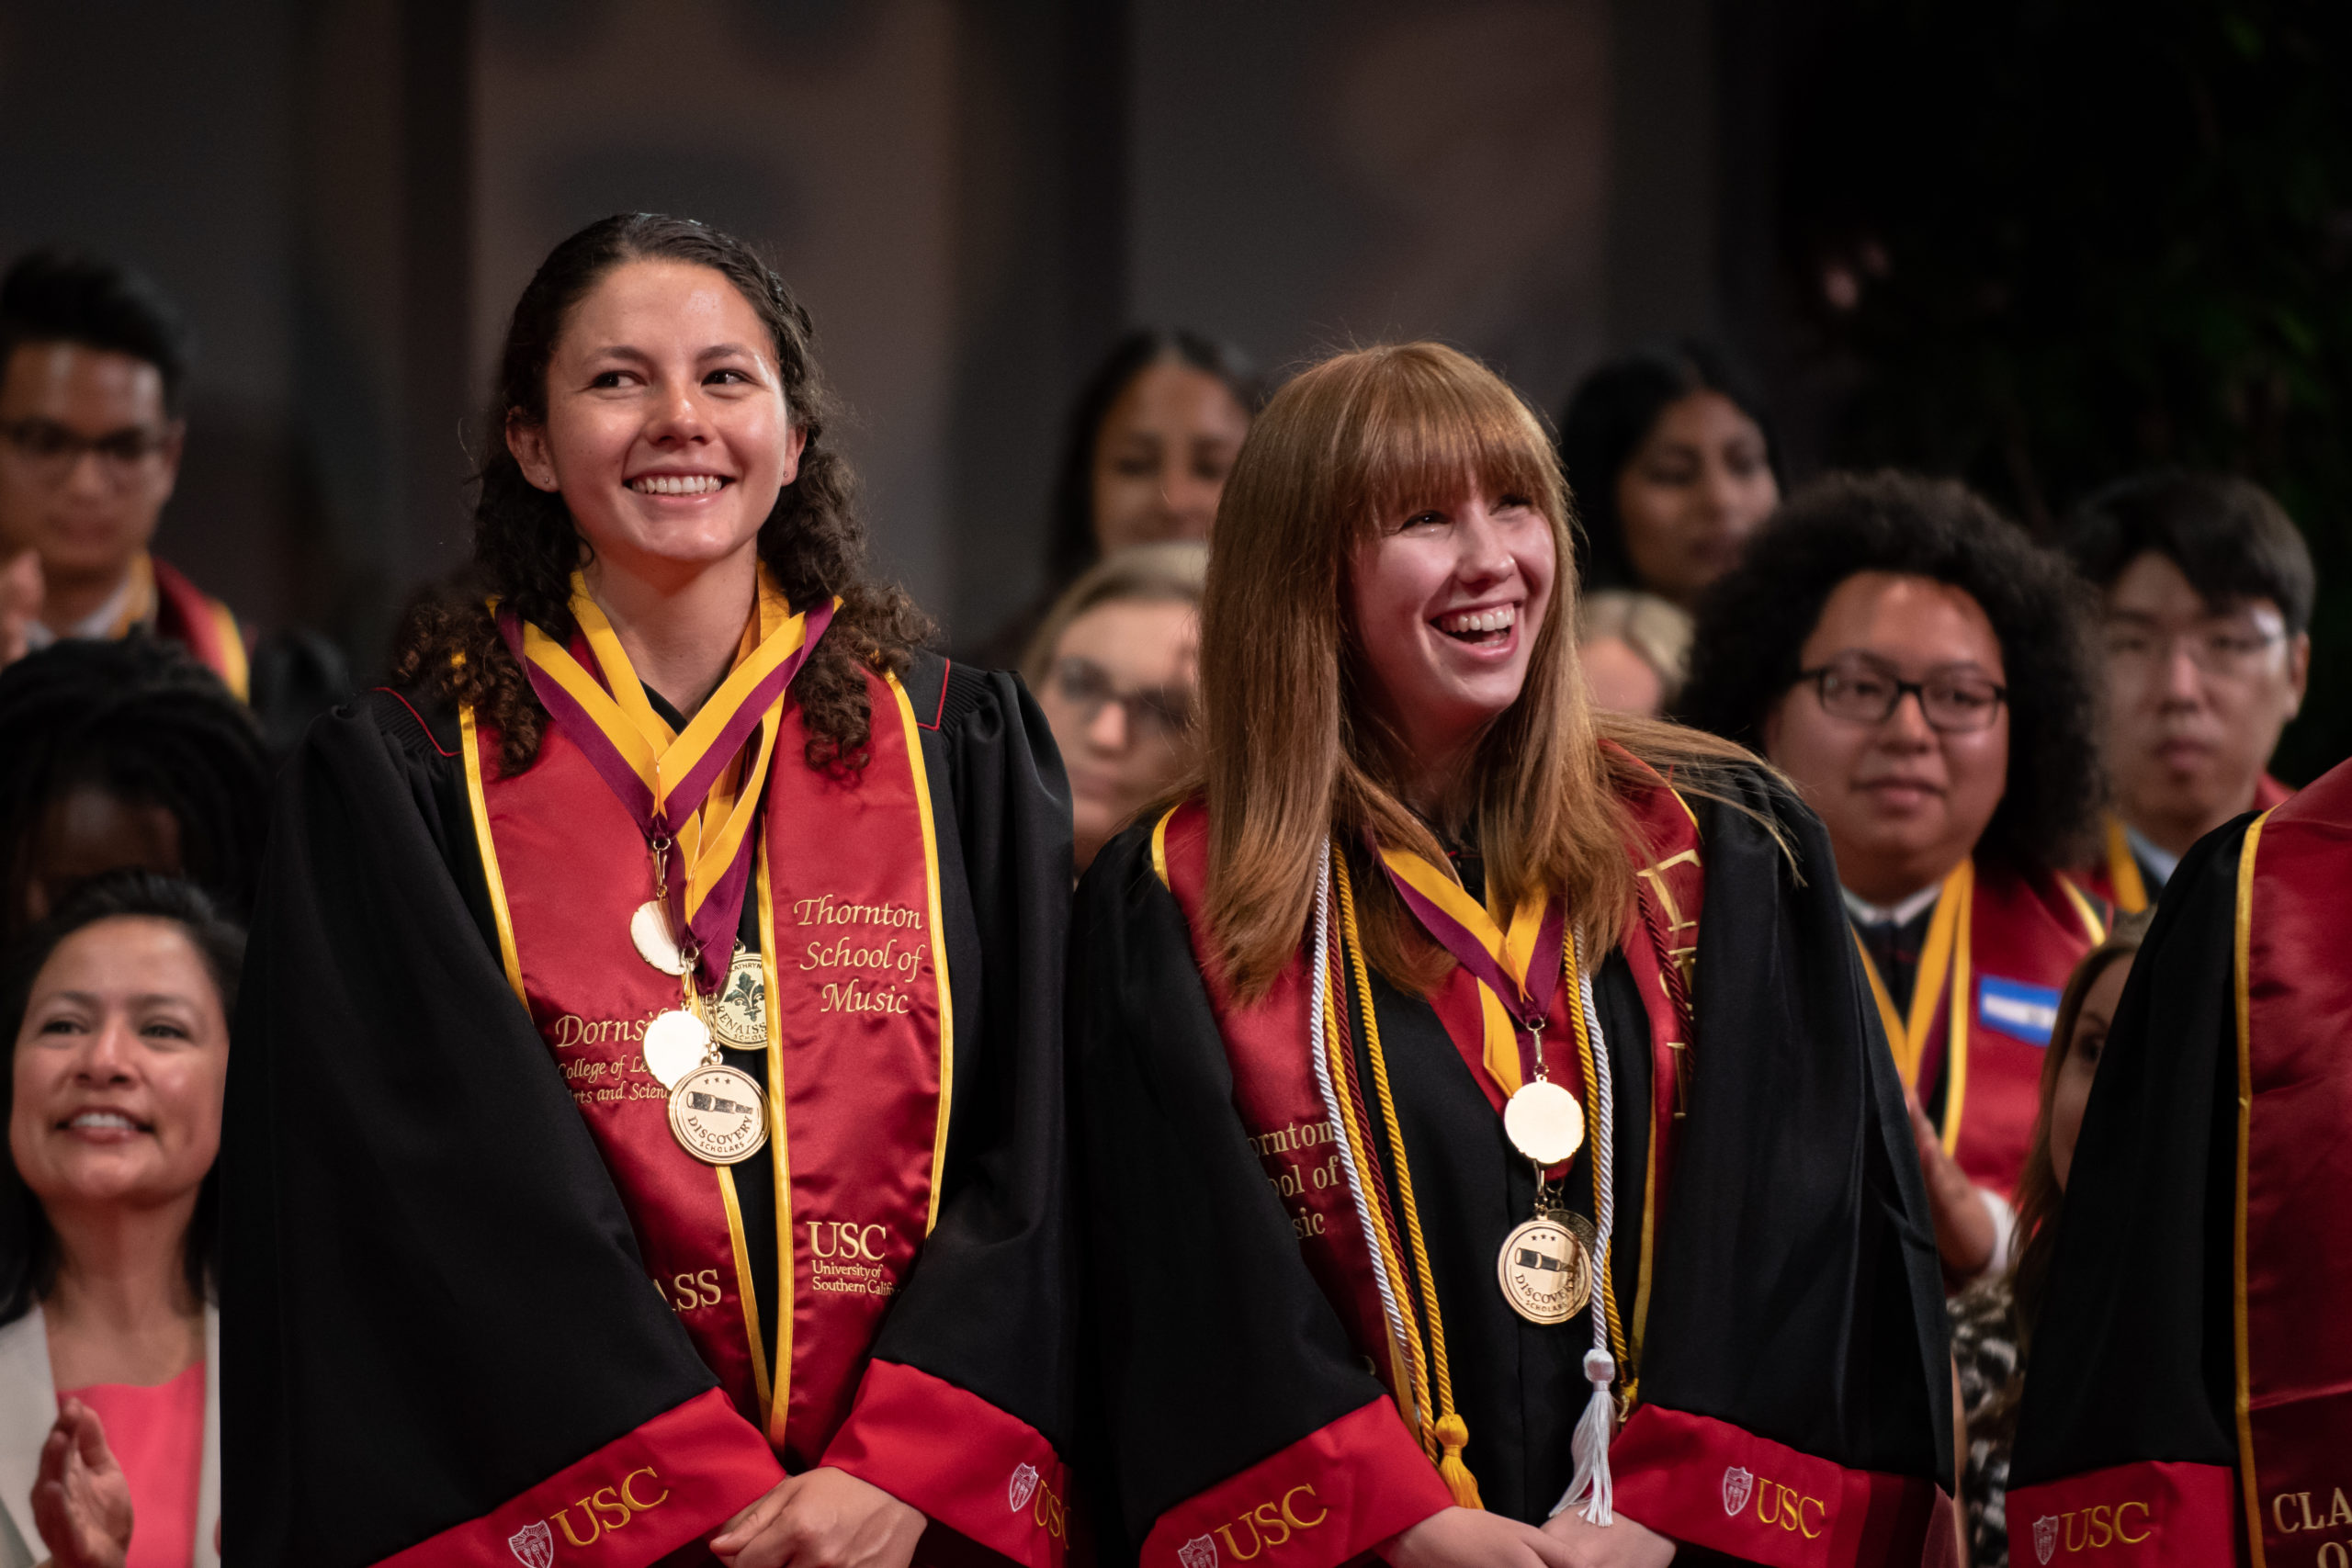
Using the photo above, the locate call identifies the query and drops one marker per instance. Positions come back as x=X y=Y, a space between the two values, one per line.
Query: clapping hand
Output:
x=81 y=1498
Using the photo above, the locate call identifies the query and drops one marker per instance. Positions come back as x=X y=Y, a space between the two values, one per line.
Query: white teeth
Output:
x=1479 y=620
x=111 y=1119
x=676 y=484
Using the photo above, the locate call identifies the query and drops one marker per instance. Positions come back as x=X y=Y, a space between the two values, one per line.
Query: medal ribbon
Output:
x=1943 y=958
x=1518 y=970
x=665 y=779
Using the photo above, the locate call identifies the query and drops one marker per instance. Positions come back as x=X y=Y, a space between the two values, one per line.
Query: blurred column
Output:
x=385 y=195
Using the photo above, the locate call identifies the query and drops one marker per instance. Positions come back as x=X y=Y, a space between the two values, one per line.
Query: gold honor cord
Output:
x=1452 y=1432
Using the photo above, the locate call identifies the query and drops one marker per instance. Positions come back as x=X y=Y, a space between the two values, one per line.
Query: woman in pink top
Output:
x=118 y=1008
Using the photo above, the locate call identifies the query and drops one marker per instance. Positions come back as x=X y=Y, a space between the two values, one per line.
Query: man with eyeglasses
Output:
x=93 y=363
x=1918 y=668
x=2206 y=590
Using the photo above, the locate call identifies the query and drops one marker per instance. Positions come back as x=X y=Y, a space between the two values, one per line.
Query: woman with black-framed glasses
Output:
x=1920 y=669
x=1114 y=666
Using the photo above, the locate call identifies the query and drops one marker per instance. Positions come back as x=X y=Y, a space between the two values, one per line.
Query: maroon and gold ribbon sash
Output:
x=664 y=779
x=859 y=1049
x=1518 y=969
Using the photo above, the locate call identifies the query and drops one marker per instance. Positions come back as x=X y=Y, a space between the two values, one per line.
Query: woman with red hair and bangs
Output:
x=1489 y=1156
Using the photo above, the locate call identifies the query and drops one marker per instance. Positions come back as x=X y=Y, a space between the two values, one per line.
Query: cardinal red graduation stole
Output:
x=1280 y=1106
x=1999 y=949
x=2293 y=1242
x=859 y=1042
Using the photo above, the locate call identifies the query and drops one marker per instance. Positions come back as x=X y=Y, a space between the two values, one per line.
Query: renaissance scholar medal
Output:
x=1546 y=1269
x=739 y=1014
x=1544 y=1123
x=675 y=1043
x=717 y=1115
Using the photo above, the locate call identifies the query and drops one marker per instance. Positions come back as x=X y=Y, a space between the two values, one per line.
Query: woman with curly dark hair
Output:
x=629 y=937
x=1919 y=667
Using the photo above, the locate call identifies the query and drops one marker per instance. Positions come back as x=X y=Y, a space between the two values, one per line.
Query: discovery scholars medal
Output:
x=696 y=808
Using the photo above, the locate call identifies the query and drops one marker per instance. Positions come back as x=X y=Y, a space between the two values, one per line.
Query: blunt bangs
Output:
x=1424 y=423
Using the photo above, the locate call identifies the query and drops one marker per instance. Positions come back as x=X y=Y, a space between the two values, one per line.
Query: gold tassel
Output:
x=1452 y=1436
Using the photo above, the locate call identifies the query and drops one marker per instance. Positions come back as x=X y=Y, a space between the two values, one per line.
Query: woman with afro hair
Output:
x=646 y=1115
x=1920 y=668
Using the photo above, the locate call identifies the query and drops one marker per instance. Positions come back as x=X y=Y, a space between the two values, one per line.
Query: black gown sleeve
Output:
x=2132 y=1363
x=982 y=1340
x=1219 y=1358
x=1796 y=1364
x=431 y=1298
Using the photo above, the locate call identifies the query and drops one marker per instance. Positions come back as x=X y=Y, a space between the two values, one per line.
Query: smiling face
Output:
x=118 y=1071
x=1690 y=494
x=667 y=433
x=1160 y=458
x=1904 y=802
x=1447 y=600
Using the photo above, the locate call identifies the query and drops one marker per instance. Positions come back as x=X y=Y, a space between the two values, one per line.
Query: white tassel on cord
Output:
x=1590 y=1444
x=1320 y=979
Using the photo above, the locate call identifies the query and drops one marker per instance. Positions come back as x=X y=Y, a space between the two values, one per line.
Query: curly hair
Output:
x=527 y=546
x=1755 y=619
x=141 y=721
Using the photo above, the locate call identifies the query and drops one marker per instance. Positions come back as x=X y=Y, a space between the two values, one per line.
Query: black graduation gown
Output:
x=431 y=1297
x=2191 y=1352
x=1797 y=1297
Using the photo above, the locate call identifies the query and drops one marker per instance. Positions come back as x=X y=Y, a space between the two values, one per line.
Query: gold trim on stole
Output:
x=2241 y=964
x=746 y=1287
x=2094 y=928
x=479 y=805
x=938 y=948
x=236 y=671
x=777 y=1407
x=2123 y=869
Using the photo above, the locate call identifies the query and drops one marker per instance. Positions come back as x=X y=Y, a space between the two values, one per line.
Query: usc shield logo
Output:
x=1738 y=1486
x=1198 y=1553
x=534 y=1545
x=1022 y=1487
x=2045 y=1536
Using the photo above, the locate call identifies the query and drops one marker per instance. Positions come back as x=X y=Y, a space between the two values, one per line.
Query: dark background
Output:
x=2036 y=243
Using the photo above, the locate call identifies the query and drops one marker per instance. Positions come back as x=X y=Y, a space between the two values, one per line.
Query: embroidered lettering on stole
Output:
x=857 y=1025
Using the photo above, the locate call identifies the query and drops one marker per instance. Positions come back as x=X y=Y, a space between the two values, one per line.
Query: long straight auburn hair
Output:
x=1292 y=749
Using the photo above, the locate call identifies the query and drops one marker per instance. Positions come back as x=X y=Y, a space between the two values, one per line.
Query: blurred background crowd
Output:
x=1911 y=360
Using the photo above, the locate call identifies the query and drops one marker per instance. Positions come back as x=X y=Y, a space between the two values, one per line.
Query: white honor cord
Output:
x=1315 y=1033
x=1590 y=1446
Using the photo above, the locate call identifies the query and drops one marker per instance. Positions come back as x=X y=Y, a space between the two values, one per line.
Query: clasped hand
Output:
x=1469 y=1538
x=826 y=1518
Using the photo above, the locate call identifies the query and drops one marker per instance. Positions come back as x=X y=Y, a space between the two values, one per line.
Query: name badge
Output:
x=2029 y=1012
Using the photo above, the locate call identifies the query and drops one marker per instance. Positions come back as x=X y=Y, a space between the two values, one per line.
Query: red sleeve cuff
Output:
x=1336 y=1492
x=2133 y=1516
x=641 y=1496
x=963 y=1461
x=1710 y=1484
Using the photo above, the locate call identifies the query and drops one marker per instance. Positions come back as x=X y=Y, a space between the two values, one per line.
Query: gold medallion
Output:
x=1546 y=1269
x=739 y=1014
x=1544 y=1123
x=717 y=1116
x=674 y=1046
x=648 y=928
